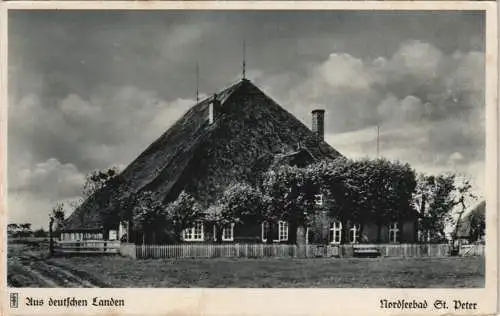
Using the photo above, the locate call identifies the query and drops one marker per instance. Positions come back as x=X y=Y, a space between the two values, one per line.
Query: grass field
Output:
x=29 y=267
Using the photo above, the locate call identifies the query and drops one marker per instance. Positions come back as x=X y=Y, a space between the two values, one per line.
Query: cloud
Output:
x=418 y=83
x=344 y=71
x=429 y=106
x=32 y=192
x=49 y=178
x=28 y=208
x=415 y=59
x=392 y=109
x=408 y=143
x=110 y=127
x=455 y=159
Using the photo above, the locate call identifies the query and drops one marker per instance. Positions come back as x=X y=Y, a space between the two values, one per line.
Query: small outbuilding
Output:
x=471 y=228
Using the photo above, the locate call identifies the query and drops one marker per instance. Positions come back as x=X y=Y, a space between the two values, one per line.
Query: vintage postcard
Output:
x=249 y=158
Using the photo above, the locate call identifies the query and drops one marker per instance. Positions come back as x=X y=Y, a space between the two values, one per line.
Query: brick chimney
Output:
x=318 y=123
x=213 y=106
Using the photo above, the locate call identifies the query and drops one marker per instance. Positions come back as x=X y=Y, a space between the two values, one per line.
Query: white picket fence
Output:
x=87 y=247
x=215 y=250
x=414 y=250
x=275 y=250
x=471 y=250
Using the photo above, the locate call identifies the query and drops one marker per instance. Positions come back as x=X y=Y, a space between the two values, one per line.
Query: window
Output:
x=354 y=234
x=112 y=235
x=335 y=232
x=283 y=230
x=228 y=232
x=423 y=236
x=319 y=199
x=194 y=233
x=394 y=232
x=198 y=231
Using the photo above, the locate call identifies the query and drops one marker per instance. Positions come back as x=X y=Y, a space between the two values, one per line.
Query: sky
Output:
x=92 y=89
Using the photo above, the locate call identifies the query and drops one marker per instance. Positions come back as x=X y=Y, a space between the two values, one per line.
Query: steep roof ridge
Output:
x=222 y=96
x=157 y=143
x=297 y=121
x=193 y=143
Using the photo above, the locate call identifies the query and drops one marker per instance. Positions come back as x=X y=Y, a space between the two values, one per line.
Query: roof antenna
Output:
x=244 y=75
x=197 y=83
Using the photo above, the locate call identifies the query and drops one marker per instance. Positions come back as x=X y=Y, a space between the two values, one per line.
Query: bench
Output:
x=369 y=251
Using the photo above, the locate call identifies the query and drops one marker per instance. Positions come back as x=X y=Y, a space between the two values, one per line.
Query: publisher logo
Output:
x=14 y=300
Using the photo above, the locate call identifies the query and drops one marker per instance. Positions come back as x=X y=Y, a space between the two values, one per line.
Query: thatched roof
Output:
x=249 y=131
x=464 y=226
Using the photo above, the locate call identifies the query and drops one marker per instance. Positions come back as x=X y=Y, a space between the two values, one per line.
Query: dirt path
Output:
x=93 y=280
x=43 y=273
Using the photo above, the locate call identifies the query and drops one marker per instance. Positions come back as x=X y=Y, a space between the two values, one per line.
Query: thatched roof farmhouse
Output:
x=471 y=226
x=234 y=135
